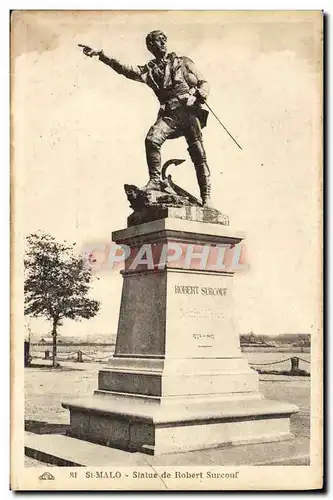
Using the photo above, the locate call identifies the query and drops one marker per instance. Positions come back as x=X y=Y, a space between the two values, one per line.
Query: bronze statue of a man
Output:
x=181 y=91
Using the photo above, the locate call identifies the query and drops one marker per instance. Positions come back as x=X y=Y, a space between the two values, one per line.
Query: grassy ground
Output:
x=46 y=388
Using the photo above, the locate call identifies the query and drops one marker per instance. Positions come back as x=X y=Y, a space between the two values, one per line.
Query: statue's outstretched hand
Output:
x=88 y=51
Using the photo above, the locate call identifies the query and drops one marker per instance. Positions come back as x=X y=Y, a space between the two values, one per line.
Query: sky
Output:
x=79 y=129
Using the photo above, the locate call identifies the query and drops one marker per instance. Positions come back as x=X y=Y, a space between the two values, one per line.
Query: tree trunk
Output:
x=54 y=343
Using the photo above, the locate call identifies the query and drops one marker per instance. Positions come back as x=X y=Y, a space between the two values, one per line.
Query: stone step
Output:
x=63 y=450
x=117 y=404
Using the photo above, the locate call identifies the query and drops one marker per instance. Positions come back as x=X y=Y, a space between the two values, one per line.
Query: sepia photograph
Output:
x=166 y=265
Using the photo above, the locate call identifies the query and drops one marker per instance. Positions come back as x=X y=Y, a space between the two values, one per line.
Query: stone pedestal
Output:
x=178 y=380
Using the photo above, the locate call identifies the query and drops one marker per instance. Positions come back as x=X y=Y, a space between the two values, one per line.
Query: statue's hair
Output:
x=151 y=37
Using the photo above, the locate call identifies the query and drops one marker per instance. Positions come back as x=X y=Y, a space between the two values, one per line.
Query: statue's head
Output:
x=156 y=42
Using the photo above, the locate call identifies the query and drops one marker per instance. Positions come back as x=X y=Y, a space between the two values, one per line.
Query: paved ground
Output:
x=31 y=462
x=46 y=388
x=295 y=390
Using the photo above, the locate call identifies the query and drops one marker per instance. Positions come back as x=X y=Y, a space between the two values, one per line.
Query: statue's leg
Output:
x=156 y=136
x=197 y=153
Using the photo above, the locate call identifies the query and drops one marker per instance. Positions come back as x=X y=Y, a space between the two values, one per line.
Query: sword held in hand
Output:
x=196 y=93
x=227 y=131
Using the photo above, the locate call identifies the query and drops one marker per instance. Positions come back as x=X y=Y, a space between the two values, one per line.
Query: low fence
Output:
x=294 y=365
x=78 y=356
x=288 y=366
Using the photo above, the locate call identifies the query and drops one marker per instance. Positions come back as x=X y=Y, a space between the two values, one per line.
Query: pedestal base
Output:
x=145 y=425
x=178 y=380
x=161 y=406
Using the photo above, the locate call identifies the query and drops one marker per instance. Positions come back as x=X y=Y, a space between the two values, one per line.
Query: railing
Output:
x=78 y=356
x=294 y=366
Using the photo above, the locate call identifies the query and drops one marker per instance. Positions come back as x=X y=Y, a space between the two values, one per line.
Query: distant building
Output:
x=271 y=344
x=49 y=340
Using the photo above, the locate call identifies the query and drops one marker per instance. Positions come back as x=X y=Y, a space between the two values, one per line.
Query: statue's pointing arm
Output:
x=131 y=72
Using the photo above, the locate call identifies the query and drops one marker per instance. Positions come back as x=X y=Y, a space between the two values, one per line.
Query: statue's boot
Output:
x=205 y=187
x=153 y=156
x=152 y=184
x=198 y=157
x=159 y=185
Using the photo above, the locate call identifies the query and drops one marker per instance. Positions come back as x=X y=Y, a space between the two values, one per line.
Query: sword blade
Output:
x=227 y=131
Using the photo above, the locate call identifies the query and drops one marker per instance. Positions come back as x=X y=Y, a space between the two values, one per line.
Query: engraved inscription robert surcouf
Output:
x=196 y=290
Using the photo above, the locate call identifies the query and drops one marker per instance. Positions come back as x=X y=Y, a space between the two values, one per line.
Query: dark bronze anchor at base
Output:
x=170 y=200
x=167 y=182
x=168 y=195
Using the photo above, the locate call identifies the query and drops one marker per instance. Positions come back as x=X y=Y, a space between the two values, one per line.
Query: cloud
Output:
x=38 y=32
